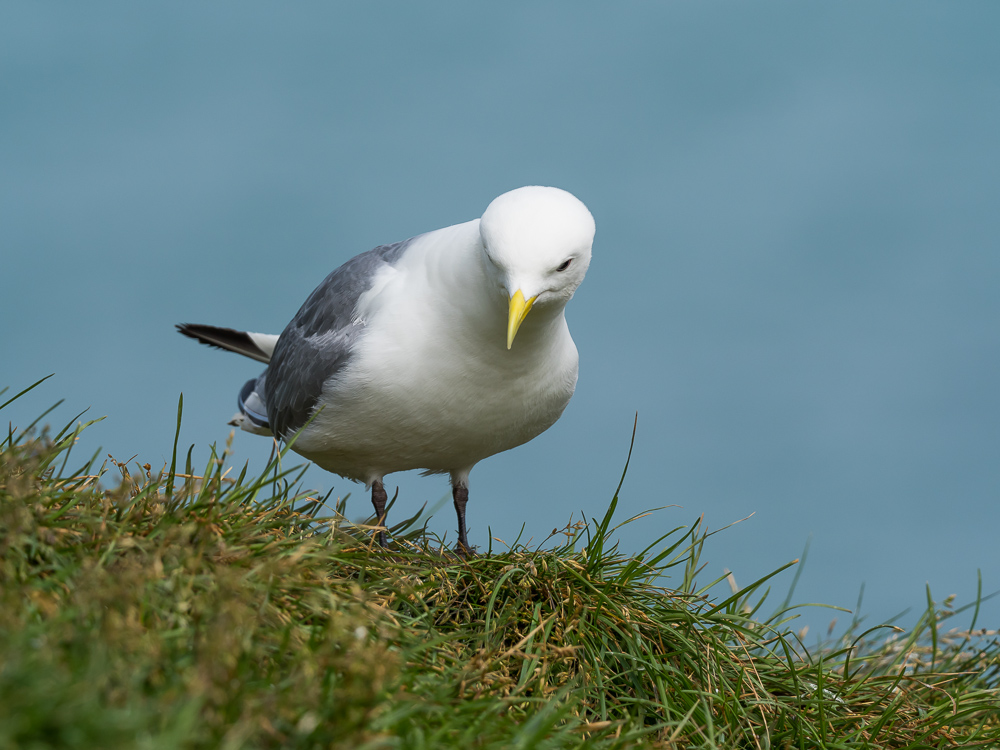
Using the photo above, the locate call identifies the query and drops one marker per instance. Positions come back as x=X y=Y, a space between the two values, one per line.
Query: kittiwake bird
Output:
x=422 y=354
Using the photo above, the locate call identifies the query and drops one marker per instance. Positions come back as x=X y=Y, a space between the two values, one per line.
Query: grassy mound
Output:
x=197 y=610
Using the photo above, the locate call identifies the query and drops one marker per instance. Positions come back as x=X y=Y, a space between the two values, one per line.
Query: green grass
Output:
x=220 y=608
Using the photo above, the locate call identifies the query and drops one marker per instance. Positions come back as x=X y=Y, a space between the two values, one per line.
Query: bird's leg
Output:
x=461 y=496
x=378 y=500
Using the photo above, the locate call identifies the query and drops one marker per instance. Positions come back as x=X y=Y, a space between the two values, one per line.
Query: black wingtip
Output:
x=227 y=339
x=201 y=333
x=208 y=335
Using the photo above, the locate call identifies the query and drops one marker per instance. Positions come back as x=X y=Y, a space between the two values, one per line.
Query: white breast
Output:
x=431 y=384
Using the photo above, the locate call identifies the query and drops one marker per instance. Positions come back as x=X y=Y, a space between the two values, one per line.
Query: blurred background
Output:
x=796 y=277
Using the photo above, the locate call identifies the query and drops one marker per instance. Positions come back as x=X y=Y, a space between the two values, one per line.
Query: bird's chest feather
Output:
x=462 y=380
x=449 y=387
x=431 y=383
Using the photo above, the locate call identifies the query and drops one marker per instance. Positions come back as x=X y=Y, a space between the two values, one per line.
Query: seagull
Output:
x=422 y=354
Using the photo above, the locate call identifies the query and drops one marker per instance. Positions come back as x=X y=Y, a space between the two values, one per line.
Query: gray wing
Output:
x=319 y=340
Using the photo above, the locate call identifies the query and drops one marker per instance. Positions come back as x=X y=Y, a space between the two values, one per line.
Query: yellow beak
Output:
x=519 y=309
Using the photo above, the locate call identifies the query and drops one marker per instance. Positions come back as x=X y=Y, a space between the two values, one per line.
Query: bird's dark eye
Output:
x=565 y=265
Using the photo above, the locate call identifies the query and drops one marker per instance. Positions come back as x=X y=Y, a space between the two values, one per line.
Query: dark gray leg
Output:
x=461 y=496
x=378 y=500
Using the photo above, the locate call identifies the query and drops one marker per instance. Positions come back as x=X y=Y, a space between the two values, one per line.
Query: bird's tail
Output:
x=252 y=416
x=257 y=346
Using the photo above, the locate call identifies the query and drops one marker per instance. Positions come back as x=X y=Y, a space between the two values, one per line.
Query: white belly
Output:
x=437 y=392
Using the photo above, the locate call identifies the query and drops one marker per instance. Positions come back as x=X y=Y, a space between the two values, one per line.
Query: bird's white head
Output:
x=536 y=248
